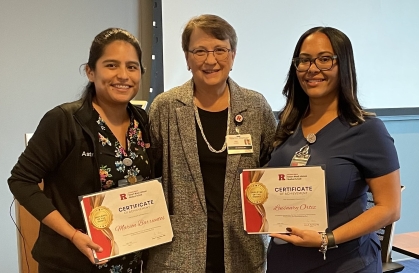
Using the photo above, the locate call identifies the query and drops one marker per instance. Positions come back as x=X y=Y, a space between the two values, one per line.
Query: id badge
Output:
x=301 y=157
x=239 y=144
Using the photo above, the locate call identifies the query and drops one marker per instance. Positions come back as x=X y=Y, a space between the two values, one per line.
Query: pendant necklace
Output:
x=198 y=121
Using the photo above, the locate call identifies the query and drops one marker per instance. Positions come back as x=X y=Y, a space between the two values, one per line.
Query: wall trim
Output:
x=390 y=114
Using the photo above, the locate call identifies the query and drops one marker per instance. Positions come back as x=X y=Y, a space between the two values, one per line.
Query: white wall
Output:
x=383 y=34
x=42 y=45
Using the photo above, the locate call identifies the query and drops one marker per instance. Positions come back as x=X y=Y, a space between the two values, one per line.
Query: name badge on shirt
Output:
x=239 y=144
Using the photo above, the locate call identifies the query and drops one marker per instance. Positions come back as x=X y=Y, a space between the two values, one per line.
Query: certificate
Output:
x=276 y=198
x=127 y=219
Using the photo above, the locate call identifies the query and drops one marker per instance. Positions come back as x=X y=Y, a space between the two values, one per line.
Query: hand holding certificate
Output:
x=127 y=219
x=276 y=198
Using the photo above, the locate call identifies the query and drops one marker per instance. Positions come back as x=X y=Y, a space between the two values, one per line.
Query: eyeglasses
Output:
x=303 y=64
x=220 y=53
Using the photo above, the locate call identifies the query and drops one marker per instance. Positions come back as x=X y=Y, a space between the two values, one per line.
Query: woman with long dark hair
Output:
x=322 y=114
x=82 y=147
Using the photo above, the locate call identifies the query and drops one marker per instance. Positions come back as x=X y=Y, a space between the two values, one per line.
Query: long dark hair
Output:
x=297 y=100
x=98 y=47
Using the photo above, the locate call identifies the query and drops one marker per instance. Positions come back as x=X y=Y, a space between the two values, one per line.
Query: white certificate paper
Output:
x=127 y=219
x=276 y=198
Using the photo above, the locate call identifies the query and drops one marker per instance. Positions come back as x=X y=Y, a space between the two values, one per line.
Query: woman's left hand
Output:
x=300 y=237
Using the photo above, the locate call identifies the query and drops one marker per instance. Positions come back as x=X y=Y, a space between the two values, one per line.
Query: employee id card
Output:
x=239 y=144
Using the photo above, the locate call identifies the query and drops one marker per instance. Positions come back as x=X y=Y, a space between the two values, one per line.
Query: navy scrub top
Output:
x=351 y=154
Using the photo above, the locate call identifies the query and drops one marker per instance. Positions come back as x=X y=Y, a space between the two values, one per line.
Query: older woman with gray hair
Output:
x=191 y=128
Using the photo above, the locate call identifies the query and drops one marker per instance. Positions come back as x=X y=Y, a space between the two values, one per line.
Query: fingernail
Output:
x=289 y=229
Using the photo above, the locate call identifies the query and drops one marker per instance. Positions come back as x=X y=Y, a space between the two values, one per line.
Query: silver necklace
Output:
x=198 y=120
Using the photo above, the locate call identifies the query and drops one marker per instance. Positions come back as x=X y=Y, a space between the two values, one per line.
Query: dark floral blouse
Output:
x=115 y=166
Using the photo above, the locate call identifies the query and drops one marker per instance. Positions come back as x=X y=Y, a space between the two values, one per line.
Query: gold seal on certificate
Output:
x=101 y=217
x=256 y=193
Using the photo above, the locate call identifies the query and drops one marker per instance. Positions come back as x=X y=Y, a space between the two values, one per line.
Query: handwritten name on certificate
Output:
x=276 y=198
x=127 y=219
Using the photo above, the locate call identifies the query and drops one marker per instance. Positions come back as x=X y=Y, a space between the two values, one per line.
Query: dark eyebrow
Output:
x=133 y=63
x=110 y=61
x=318 y=54
x=118 y=62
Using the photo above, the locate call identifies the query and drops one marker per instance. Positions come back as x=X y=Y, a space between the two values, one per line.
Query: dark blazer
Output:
x=173 y=137
x=62 y=153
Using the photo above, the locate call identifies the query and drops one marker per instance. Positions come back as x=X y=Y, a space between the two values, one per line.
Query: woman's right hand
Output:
x=87 y=246
x=56 y=221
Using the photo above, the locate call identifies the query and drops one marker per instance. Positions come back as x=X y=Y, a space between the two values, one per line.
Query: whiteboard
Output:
x=384 y=35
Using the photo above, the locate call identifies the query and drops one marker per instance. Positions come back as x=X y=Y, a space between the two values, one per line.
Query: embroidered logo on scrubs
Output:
x=89 y=154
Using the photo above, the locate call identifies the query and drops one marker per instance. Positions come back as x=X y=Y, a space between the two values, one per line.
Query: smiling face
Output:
x=319 y=84
x=209 y=73
x=117 y=74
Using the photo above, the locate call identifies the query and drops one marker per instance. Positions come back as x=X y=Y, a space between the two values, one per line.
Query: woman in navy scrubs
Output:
x=323 y=112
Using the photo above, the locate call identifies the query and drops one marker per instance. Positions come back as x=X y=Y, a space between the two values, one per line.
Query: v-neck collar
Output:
x=321 y=131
